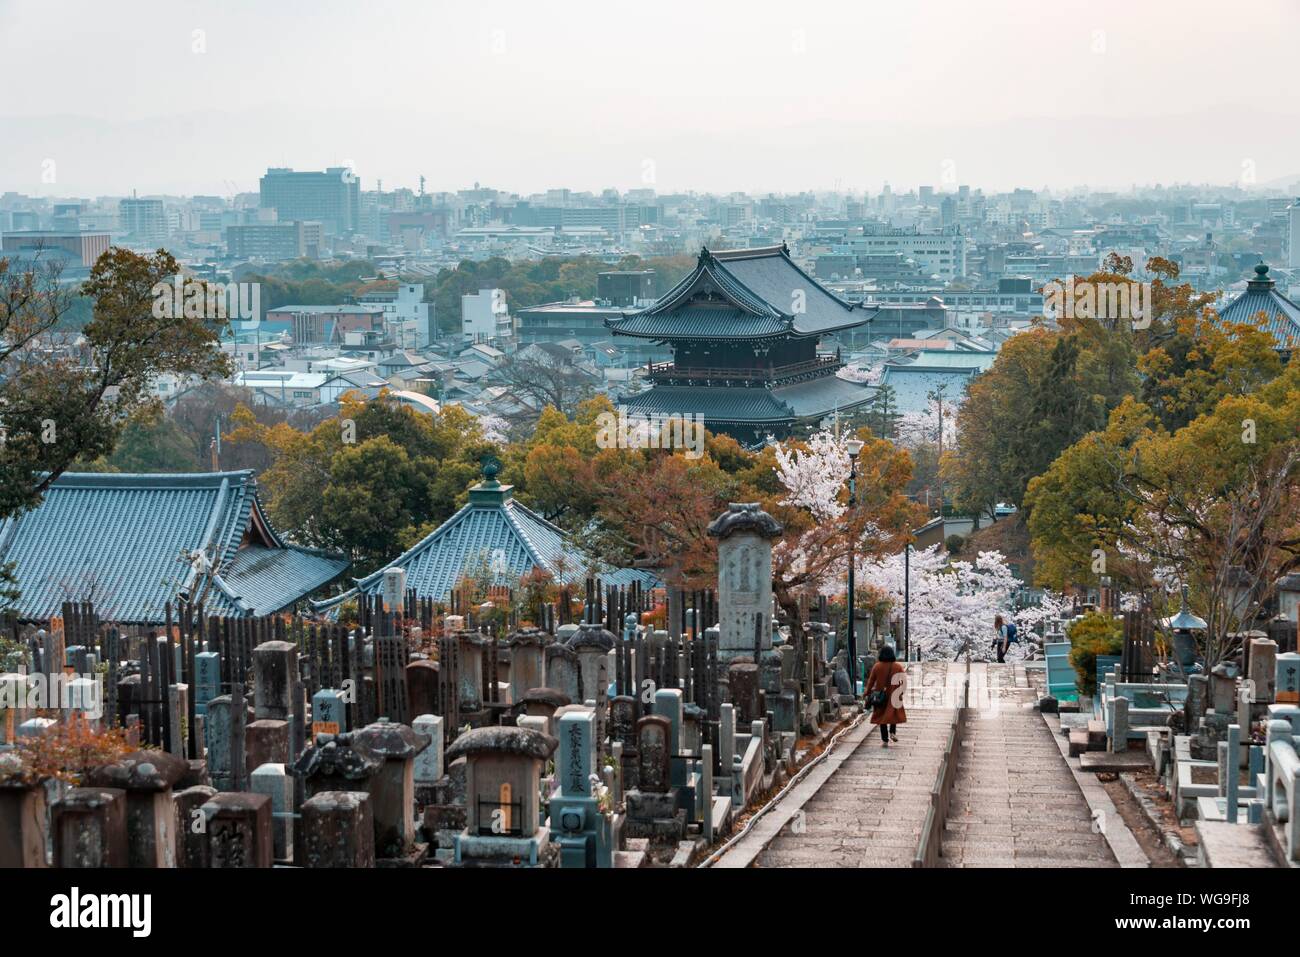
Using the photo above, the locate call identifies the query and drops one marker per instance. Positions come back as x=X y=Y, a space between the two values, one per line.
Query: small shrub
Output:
x=1092 y=635
x=69 y=750
x=954 y=544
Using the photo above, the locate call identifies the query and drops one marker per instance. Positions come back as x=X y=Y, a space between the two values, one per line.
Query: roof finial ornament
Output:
x=705 y=255
x=491 y=466
x=1261 y=282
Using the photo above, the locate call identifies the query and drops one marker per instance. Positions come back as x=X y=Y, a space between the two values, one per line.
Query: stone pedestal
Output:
x=392 y=788
x=207 y=679
x=22 y=825
x=422 y=686
x=271 y=780
x=266 y=741
x=1261 y=669
x=428 y=763
x=338 y=830
x=503 y=773
x=89 y=828
x=239 y=830
x=147 y=777
x=192 y=825
x=527 y=662
x=275 y=676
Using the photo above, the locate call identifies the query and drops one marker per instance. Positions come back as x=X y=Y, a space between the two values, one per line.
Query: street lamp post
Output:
x=907 y=602
x=854 y=448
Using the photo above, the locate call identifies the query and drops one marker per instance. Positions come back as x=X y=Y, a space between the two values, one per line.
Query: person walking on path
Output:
x=1003 y=640
x=885 y=685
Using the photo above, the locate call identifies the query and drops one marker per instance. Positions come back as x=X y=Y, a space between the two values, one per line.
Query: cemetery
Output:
x=610 y=722
x=1220 y=744
x=619 y=728
x=615 y=728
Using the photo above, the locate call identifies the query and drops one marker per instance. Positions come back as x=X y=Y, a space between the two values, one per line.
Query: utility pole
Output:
x=937 y=396
x=216 y=447
x=854 y=449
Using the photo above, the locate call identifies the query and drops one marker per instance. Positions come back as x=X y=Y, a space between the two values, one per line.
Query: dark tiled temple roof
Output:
x=743 y=294
x=1281 y=315
x=815 y=398
x=118 y=540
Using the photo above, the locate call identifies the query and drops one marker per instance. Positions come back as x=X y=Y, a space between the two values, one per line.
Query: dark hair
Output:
x=887 y=653
x=997 y=621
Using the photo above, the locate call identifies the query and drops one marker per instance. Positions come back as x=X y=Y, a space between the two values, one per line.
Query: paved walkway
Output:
x=870 y=811
x=1015 y=802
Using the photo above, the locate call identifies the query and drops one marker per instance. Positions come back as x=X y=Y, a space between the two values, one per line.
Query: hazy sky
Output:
x=675 y=94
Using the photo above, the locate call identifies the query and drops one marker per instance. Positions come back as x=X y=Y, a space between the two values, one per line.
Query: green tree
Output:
x=66 y=400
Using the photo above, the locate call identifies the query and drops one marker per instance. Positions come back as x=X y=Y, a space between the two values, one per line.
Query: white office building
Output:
x=485 y=316
x=407 y=316
x=939 y=253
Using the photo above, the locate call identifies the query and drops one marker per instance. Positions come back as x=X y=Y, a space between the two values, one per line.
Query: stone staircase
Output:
x=1015 y=801
x=870 y=812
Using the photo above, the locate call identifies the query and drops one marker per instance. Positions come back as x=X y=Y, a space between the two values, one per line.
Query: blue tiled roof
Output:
x=824 y=396
x=743 y=294
x=117 y=540
x=492 y=524
x=1281 y=315
x=702 y=321
x=260 y=579
x=912 y=383
x=646 y=578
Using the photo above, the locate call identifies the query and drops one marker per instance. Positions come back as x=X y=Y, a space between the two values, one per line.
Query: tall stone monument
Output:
x=745 y=533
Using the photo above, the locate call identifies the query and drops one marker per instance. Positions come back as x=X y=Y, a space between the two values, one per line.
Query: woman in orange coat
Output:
x=888 y=675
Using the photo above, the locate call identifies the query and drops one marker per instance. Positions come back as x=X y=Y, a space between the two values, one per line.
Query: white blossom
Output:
x=951 y=602
x=813 y=477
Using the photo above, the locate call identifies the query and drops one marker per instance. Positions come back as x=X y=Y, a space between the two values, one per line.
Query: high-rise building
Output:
x=143 y=220
x=1293 y=235
x=331 y=198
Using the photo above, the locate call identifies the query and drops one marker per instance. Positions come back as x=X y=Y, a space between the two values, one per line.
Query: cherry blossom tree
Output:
x=1036 y=617
x=815 y=475
x=951 y=603
x=915 y=429
x=495 y=429
x=820 y=527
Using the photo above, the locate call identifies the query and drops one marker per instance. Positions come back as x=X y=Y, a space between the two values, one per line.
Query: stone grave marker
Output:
x=239 y=830
x=338 y=830
x=89 y=828
x=745 y=533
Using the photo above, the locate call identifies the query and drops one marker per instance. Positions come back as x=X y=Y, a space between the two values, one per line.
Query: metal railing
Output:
x=929 y=848
x=659 y=371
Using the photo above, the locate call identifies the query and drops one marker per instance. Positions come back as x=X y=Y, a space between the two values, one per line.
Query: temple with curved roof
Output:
x=494 y=526
x=1281 y=315
x=744 y=328
x=131 y=543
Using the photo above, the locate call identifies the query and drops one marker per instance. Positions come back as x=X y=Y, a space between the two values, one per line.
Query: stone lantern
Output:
x=1185 y=627
x=502 y=806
